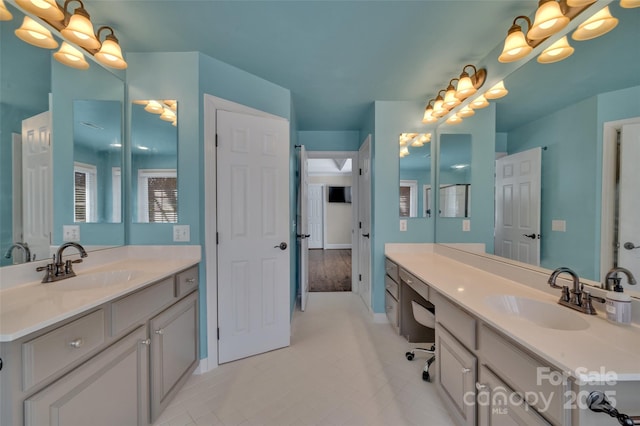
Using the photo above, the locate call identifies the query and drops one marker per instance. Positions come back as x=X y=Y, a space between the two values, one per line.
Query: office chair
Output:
x=427 y=319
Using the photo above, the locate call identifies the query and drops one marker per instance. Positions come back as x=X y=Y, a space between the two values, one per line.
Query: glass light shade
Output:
x=438 y=107
x=515 y=46
x=154 y=107
x=600 y=23
x=417 y=142
x=403 y=141
x=110 y=54
x=579 y=3
x=454 y=119
x=466 y=111
x=556 y=52
x=80 y=30
x=174 y=123
x=404 y=151
x=497 y=91
x=548 y=21
x=629 y=4
x=465 y=87
x=46 y=9
x=450 y=99
x=33 y=33
x=5 y=15
x=71 y=57
x=479 y=102
x=167 y=115
x=428 y=116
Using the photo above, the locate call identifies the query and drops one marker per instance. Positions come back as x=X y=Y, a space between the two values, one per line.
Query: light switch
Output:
x=181 y=233
x=403 y=225
x=559 y=225
x=71 y=233
x=466 y=225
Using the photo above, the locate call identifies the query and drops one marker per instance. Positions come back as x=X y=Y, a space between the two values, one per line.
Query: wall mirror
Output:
x=38 y=92
x=415 y=175
x=154 y=161
x=559 y=109
x=454 y=171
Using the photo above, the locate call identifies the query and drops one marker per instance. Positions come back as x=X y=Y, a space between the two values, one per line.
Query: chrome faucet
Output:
x=576 y=298
x=59 y=270
x=612 y=277
x=22 y=246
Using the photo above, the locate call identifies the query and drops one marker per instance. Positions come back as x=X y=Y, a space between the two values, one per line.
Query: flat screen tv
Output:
x=339 y=194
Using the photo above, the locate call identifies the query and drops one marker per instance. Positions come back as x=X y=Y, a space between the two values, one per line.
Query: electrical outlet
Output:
x=181 y=233
x=403 y=225
x=559 y=225
x=466 y=225
x=71 y=233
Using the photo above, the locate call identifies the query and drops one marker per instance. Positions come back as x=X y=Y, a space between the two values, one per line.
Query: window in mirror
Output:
x=455 y=175
x=85 y=189
x=154 y=160
x=415 y=175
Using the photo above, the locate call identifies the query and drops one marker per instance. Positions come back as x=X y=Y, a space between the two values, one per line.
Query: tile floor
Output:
x=341 y=369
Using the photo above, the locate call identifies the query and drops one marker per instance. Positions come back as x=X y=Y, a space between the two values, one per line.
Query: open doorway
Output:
x=331 y=221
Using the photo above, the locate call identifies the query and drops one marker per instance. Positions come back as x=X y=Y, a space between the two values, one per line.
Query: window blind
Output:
x=162 y=199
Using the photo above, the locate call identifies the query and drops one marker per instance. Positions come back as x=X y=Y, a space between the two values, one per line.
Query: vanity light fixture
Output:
x=629 y=4
x=497 y=91
x=404 y=151
x=516 y=45
x=5 y=15
x=556 y=52
x=46 y=9
x=71 y=57
x=428 y=114
x=35 y=34
x=454 y=119
x=110 y=53
x=479 y=102
x=548 y=20
x=154 y=107
x=421 y=140
x=600 y=23
x=468 y=85
x=439 y=108
x=466 y=111
x=450 y=99
x=79 y=29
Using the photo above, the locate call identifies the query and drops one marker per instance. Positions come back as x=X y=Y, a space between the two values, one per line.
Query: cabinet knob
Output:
x=76 y=343
x=466 y=370
x=146 y=342
x=482 y=387
x=161 y=331
x=409 y=281
x=190 y=280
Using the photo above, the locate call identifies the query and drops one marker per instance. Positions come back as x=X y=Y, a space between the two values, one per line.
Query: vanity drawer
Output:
x=186 y=281
x=456 y=321
x=391 y=269
x=391 y=286
x=135 y=308
x=391 y=308
x=525 y=374
x=51 y=352
x=418 y=285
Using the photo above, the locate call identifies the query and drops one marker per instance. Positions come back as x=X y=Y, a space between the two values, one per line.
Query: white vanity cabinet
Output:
x=118 y=363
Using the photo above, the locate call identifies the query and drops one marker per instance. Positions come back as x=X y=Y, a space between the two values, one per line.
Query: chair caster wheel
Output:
x=409 y=355
x=425 y=376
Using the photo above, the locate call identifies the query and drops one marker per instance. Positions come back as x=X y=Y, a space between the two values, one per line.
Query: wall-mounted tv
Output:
x=339 y=194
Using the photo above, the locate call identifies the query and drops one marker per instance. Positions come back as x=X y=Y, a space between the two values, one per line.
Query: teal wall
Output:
x=391 y=119
x=330 y=140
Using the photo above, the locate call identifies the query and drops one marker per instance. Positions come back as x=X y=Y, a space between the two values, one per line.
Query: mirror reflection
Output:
x=154 y=160
x=454 y=173
x=570 y=112
x=415 y=175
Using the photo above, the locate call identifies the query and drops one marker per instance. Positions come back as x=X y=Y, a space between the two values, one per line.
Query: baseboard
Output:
x=337 y=246
x=380 y=318
x=204 y=366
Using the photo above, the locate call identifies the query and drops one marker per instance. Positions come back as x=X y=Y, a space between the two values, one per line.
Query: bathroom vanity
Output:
x=110 y=346
x=507 y=353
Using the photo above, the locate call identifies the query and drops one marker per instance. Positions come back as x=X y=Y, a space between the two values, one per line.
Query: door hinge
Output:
x=217 y=238
x=360 y=172
x=218 y=333
x=359 y=277
x=216 y=140
x=359 y=225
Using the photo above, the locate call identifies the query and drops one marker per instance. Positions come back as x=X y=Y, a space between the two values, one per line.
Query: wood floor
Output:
x=329 y=270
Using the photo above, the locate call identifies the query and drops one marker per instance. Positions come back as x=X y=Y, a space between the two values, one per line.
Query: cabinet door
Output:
x=109 y=389
x=174 y=351
x=456 y=376
x=498 y=405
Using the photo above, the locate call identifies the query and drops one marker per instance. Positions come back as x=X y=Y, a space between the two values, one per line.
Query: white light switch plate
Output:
x=71 y=233
x=403 y=225
x=559 y=225
x=181 y=233
x=466 y=225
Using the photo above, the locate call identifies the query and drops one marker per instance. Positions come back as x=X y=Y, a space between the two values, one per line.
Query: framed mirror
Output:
x=454 y=172
x=415 y=175
x=154 y=161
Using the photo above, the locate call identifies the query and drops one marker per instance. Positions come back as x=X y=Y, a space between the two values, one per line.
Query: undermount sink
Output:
x=93 y=280
x=543 y=314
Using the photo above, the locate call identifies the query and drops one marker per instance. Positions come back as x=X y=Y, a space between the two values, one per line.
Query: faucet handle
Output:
x=587 y=306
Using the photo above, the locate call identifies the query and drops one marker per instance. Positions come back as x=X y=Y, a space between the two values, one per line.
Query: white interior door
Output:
x=37 y=184
x=315 y=216
x=303 y=228
x=517 y=192
x=16 y=155
x=364 y=215
x=629 y=201
x=253 y=234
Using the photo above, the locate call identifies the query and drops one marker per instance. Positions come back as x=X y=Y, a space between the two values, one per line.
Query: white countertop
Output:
x=589 y=354
x=31 y=306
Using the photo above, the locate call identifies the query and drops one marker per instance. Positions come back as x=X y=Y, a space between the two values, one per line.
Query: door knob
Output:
x=281 y=246
x=365 y=235
x=630 y=246
x=532 y=236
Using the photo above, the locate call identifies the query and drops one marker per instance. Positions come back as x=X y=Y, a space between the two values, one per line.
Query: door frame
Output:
x=211 y=106
x=353 y=155
x=608 y=196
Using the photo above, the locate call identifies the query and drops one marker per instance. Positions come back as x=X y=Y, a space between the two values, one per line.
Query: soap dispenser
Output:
x=618 y=304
